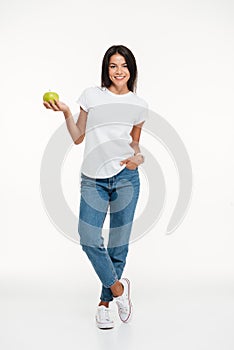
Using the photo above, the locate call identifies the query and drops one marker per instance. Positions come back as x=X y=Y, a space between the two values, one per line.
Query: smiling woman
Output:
x=118 y=74
x=110 y=120
x=119 y=66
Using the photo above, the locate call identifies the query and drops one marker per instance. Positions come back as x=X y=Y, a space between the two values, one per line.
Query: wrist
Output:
x=140 y=156
x=67 y=114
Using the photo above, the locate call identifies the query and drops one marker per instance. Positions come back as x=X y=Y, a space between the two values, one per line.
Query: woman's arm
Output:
x=81 y=125
x=136 y=133
x=76 y=130
x=137 y=159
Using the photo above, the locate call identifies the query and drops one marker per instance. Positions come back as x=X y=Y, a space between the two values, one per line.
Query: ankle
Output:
x=119 y=289
x=105 y=303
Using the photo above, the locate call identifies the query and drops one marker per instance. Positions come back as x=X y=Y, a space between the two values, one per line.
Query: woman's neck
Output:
x=119 y=90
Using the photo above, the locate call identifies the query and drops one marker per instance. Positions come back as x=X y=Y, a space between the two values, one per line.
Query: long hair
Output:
x=131 y=63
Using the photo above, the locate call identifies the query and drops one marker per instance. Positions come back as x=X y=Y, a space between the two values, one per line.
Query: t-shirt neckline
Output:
x=117 y=95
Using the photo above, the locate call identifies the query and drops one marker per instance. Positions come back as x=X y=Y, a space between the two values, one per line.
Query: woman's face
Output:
x=118 y=70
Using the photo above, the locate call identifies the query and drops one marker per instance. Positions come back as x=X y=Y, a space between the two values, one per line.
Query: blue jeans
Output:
x=119 y=193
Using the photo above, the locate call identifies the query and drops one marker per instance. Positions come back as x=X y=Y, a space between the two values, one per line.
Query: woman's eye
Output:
x=125 y=66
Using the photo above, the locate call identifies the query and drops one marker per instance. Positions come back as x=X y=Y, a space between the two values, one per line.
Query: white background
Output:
x=183 y=283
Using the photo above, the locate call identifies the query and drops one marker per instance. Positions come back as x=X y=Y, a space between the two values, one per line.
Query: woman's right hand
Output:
x=58 y=106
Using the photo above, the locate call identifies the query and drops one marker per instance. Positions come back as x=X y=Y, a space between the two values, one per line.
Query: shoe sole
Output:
x=103 y=326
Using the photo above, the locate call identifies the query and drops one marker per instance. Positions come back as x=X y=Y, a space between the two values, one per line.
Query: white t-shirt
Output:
x=109 y=123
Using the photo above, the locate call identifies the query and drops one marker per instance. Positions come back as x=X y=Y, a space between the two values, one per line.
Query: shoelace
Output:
x=104 y=314
x=122 y=306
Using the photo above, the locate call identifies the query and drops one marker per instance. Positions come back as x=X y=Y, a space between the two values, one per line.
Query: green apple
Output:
x=50 y=96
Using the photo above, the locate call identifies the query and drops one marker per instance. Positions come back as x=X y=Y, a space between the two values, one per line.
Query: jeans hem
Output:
x=108 y=286
x=106 y=300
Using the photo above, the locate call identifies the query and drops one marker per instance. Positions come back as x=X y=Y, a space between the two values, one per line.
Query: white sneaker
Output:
x=123 y=302
x=103 y=318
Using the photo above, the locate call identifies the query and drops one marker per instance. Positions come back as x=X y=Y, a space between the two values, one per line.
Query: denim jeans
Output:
x=119 y=194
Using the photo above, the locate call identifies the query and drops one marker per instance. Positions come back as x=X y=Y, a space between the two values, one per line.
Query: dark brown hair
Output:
x=131 y=63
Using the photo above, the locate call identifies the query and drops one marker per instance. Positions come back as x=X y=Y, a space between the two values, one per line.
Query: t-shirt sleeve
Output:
x=82 y=100
x=142 y=116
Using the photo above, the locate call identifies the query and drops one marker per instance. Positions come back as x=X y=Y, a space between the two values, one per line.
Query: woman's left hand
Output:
x=132 y=162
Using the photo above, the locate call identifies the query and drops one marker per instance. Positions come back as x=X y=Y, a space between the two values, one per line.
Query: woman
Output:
x=111 y=118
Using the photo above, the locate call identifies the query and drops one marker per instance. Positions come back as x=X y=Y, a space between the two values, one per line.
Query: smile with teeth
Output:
x=119 y=77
